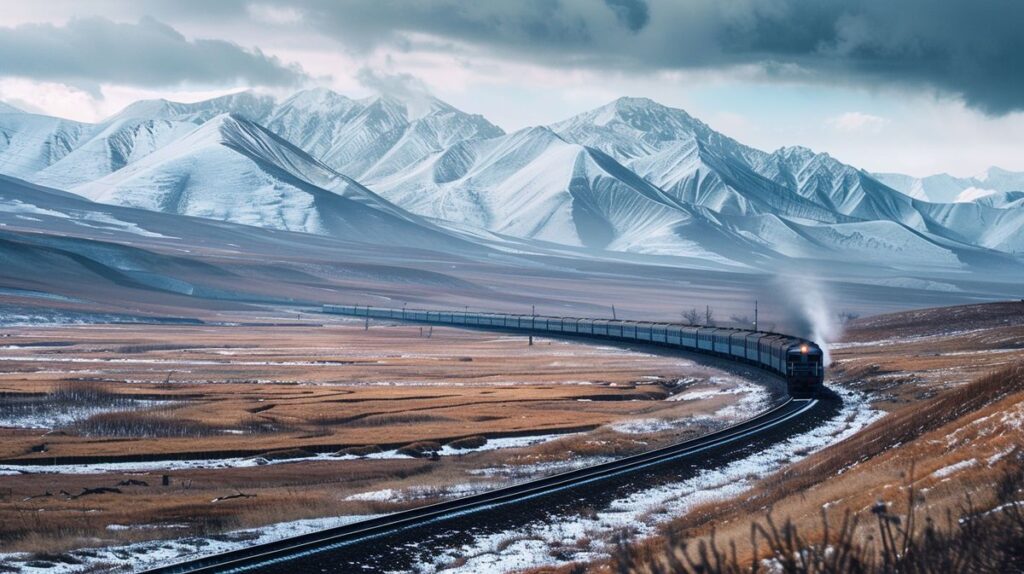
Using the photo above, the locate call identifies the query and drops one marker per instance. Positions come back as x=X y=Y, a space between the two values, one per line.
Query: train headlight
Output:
x=804 y=349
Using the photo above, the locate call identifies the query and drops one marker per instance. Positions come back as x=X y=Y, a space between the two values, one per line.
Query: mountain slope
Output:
x=687 y=159
x=30 y=142
x=249 y=105
x=944 y=188
x=230 y=169
x=536 y=185
x=388 y=135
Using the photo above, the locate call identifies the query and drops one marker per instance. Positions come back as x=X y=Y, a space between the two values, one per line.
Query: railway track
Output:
x=257 y=557
x=277 y=555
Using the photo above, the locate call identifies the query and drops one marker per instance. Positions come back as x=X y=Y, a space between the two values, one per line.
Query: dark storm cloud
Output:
x=87 y=52
x=632 y=13
x=970 y=48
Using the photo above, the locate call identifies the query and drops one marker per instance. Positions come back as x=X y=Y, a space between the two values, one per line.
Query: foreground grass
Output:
x=909 y=542
x=936 y=527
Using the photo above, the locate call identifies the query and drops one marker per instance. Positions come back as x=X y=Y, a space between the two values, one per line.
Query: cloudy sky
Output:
x=915 y=86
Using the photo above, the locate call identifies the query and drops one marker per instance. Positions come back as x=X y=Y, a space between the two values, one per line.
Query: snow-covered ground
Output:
x=243 y=462
x=133 y=557
x=57 y=414
x=643 y=510
x=752 y=400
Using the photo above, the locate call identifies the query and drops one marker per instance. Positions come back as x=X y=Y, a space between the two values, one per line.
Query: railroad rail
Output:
x=281 y=552
x=256 y=557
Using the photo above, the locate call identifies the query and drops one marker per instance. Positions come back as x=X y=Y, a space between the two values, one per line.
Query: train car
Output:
x=750 y=344
x=704 y=342
x=720 y=341
x=738 y=344
x=616 y=329
x=674 y=335
x=799 y=361
x=688 y=337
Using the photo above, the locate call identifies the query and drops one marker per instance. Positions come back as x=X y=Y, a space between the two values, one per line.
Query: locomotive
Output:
x=798 y=361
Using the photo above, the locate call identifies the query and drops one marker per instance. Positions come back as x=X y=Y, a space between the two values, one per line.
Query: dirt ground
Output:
x=306 y=419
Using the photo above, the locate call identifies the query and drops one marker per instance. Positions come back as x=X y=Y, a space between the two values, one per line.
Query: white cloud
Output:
x=857 y=122
x=62 y=100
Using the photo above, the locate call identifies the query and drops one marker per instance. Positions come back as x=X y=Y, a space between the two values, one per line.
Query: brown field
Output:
x=270 y=393
x=953 y=382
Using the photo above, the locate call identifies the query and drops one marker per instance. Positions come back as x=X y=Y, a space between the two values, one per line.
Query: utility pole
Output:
x=533 y=310
x=755 y=314
x=707 y=315
x=613 y=313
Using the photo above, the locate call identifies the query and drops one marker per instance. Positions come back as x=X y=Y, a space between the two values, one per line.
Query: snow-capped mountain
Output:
x=945 y=188
x=249 y=105
x=388 y=135
x=64 y=154
x=632 y=175
x=312 y=119
x=6 y=108
x=536 y=185
x=30 y=142
x=231 y=169
x=367 y=138
x=696 y=164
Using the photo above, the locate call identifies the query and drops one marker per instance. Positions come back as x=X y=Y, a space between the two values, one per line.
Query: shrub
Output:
x=420 y=449
x=469 y=442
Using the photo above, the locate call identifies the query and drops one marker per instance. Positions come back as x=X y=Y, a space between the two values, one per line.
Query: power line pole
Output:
x=614 y=317
x=755 y=314
x=707 y=315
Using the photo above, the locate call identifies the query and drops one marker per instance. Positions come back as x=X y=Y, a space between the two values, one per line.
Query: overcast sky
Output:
x=915 y=86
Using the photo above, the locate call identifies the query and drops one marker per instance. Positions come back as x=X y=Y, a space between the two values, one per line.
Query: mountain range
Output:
x=945 y=188
x=632 y=176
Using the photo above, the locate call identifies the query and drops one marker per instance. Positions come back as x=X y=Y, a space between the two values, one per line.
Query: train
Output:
x=799 y=361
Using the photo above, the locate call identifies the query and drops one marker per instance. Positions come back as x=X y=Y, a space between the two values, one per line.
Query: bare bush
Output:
x=388 y=419
x=847 y=316
x=691 y=316
x=62 y=398
x=143 y=425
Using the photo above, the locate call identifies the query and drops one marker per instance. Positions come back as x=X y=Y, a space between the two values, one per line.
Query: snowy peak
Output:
x=247 y=104
x=389 y=134
x=316 y=100
x=632 y=127
x=232 y=169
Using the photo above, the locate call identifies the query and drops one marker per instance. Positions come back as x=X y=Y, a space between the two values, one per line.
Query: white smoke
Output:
x=808 y=301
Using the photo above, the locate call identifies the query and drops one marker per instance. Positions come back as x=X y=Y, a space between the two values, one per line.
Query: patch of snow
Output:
x=248 y=462
x=146 y=555
x=955 y=468
x=643 y=510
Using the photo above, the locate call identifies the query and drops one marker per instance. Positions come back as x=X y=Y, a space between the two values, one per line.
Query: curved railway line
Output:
x=311 y=549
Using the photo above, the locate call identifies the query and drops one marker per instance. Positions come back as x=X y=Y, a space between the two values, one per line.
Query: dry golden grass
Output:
x=331 y=388
x=943 y=437
x=318 y=389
